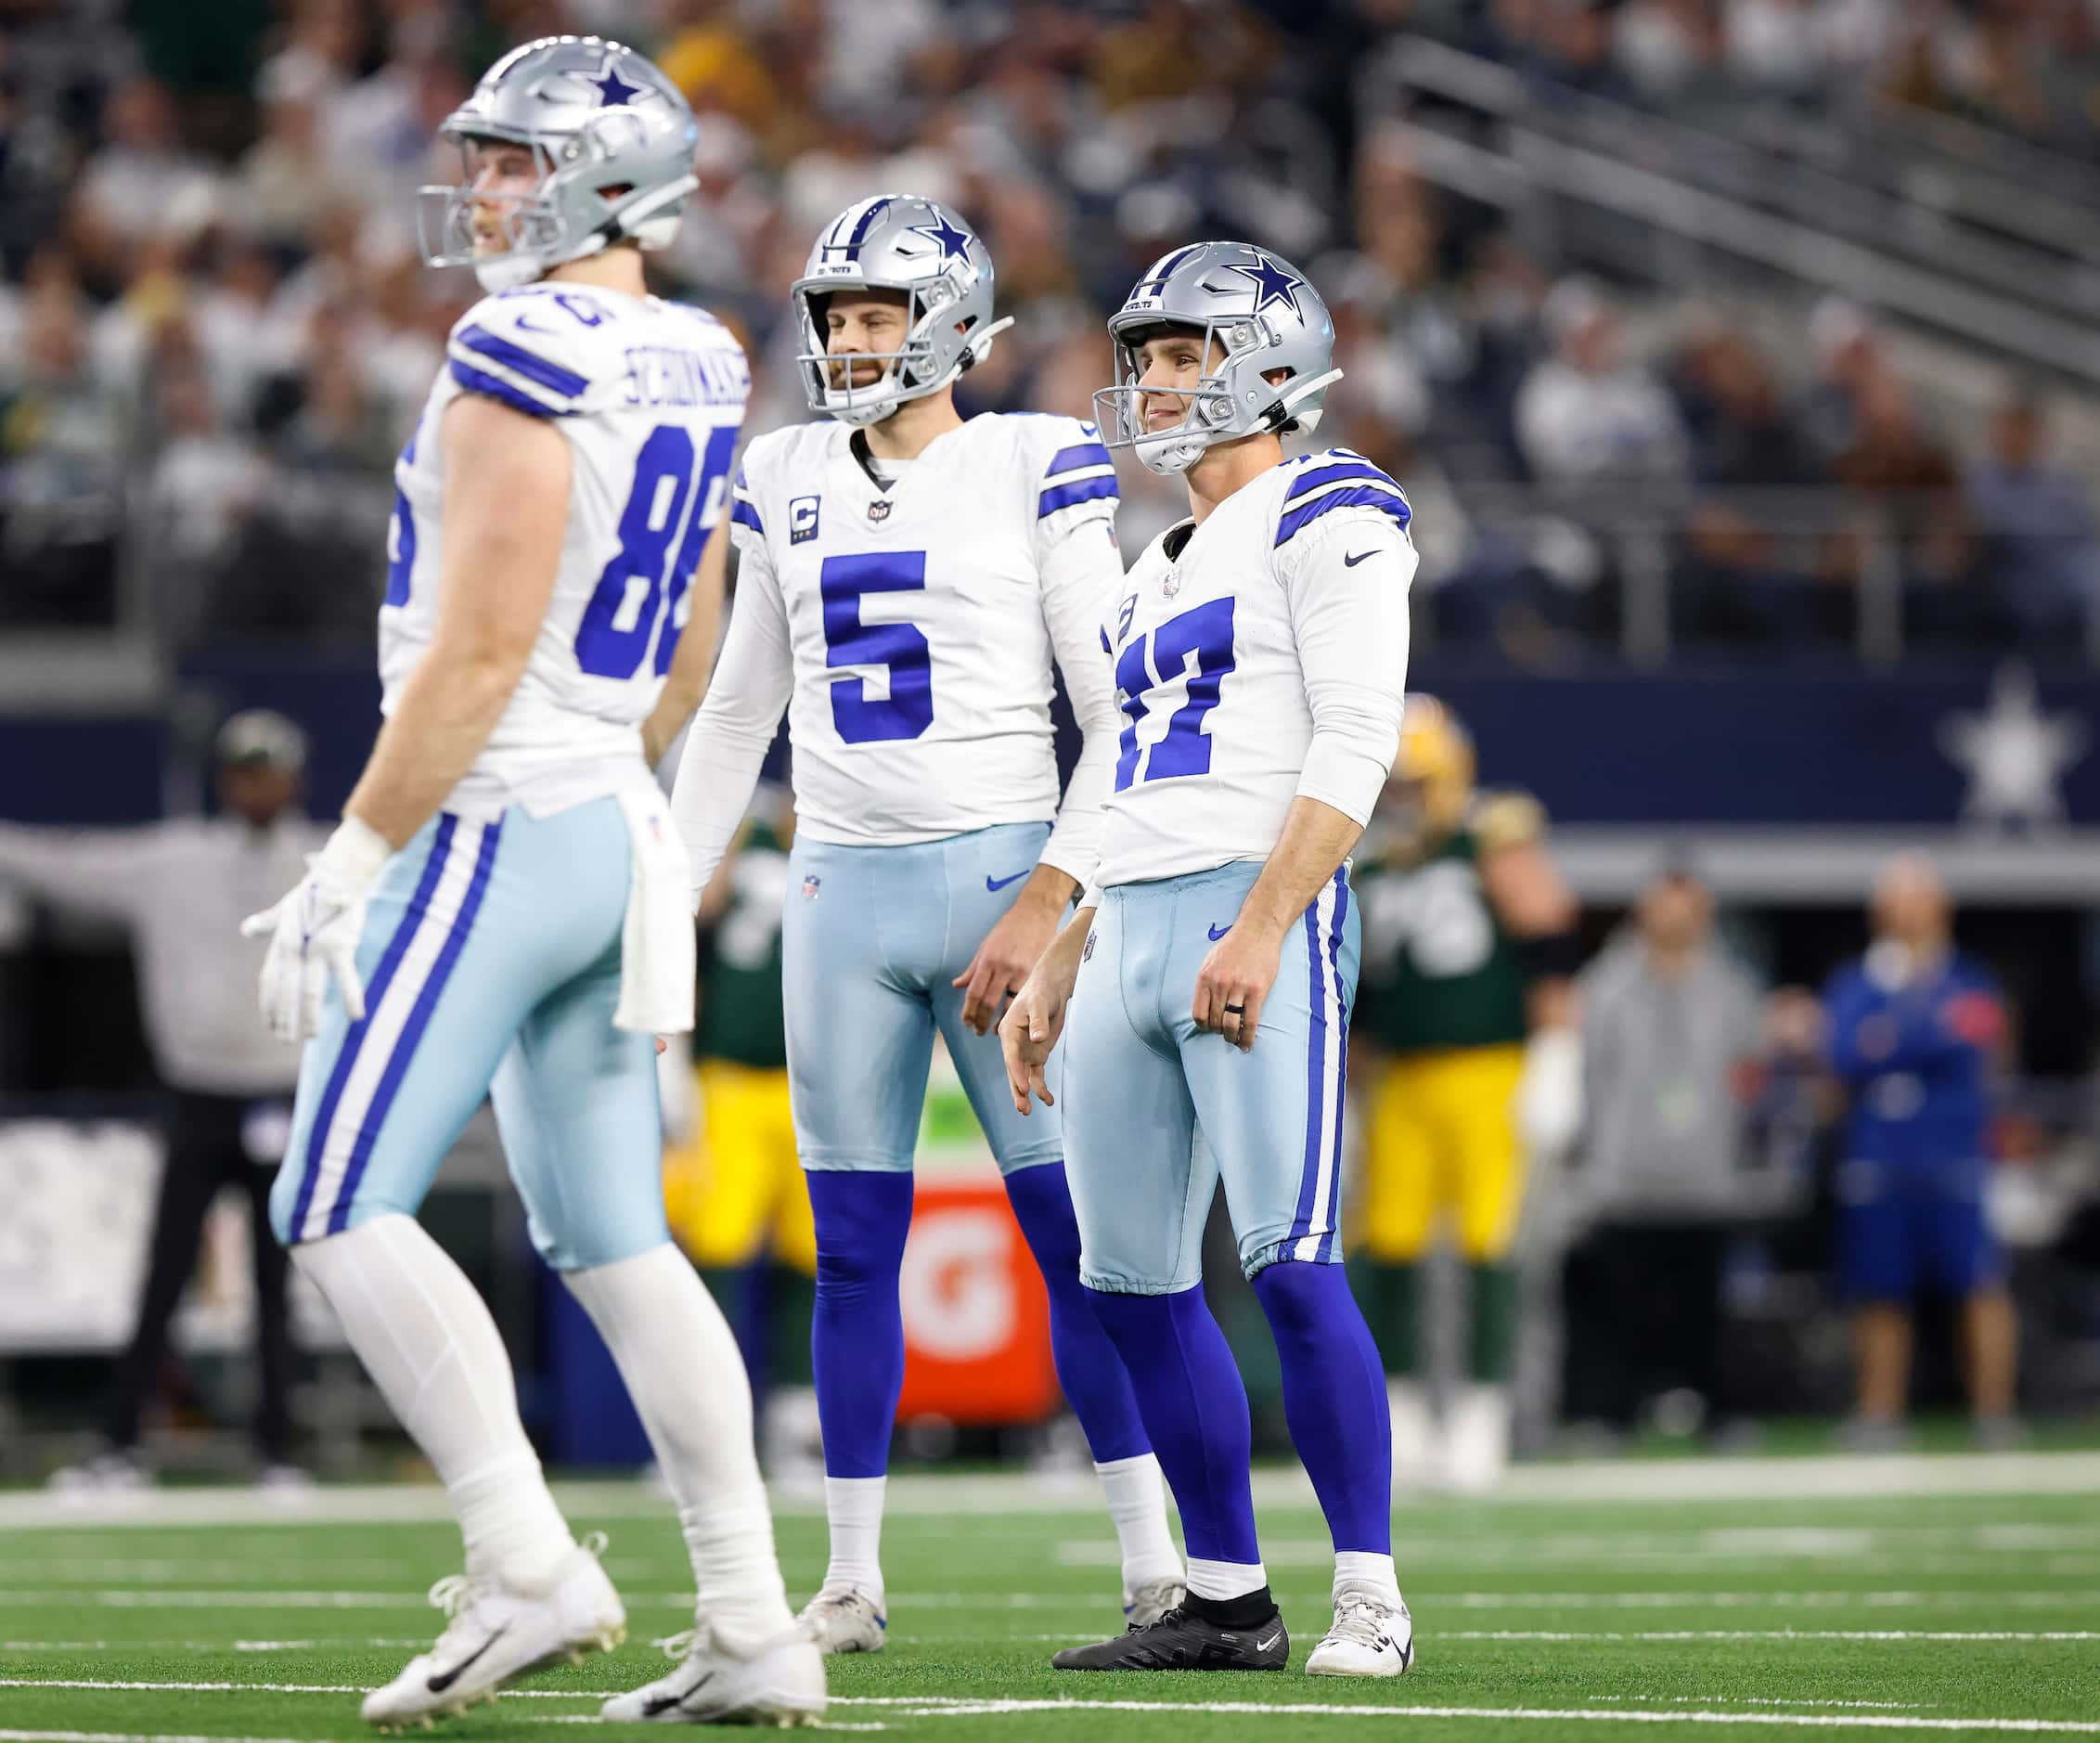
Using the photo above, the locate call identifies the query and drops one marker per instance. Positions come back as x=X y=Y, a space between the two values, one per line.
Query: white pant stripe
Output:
x=1329 y=1008
x=384 y=1023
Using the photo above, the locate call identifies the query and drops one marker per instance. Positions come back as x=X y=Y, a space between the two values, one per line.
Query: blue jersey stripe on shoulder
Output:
x=534 y=367
x=477 y=381
x=1350 y=468
x=1080 y=454
x=1065 y=496
x=744 y=515
x=1386 y=497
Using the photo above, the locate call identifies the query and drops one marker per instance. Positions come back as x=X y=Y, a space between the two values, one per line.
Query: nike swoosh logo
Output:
x=438 y=1685
x=1000 y=883
x=1219 y=931
x=1350 y=562
x=1263 y=1646
x=663 y=1703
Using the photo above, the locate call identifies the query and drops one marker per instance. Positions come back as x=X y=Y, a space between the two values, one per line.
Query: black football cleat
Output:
x=1179 y=1641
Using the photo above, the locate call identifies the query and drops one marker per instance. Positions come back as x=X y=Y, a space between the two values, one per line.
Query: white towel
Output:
x=657 y=961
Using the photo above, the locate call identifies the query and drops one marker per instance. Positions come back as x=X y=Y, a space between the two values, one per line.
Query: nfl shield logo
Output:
x=879 y=511
x=1171 y=583
x=810 y=885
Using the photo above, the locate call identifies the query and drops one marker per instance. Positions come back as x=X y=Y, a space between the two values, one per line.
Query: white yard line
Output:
x=1762 y=1700
x=126 y=1736
x=1861 y=1545
x=1646 y=1635
x=258 y=1598
x=922 y=1707
x=268 y=1689
x=1644 y=1481
x=1767 y=1633
x=1885 y=1722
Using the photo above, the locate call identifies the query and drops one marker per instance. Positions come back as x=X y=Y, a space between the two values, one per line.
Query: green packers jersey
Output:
x=1439 y=969
x=740 y=1016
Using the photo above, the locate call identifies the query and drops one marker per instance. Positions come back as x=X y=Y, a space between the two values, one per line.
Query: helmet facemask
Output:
x=912 y=372
x=1231 y=398
x=535 y=233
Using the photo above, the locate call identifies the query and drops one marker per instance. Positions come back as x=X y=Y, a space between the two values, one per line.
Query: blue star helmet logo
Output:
x=1271 y=283
x=612 y=90
x=954 y=243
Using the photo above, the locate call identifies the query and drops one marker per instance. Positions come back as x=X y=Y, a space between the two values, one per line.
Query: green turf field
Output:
x=1594 y=1604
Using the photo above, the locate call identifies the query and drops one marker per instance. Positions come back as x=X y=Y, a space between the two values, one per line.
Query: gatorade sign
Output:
x=976 y=1322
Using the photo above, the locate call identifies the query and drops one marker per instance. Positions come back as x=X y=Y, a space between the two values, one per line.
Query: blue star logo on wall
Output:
x=954 y=243
x=612 y=90
x=1272 y=283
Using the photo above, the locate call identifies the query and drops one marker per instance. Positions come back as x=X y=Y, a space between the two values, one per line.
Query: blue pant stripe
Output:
x=397 y=946
x=412 y=1031
x=1341 y=1065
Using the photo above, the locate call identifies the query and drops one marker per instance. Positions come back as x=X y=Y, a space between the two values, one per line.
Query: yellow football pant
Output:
x=740 y=1184
x=1442 y=1137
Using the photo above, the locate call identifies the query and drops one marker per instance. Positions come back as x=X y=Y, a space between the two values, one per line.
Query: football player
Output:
x=1469 y=1010
x=502 y=910
x=1260 y=650
x=907 y=579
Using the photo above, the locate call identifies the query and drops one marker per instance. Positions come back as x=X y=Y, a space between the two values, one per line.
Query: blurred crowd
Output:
x=214 y=327
x=2030 y=68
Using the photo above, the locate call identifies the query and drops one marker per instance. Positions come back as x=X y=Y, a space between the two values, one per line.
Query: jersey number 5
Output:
x=1203 y=633
x=660 y=546
x=907 y=711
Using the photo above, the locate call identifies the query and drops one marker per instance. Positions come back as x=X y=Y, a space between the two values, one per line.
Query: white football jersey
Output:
x=908 y=631
x=650 y=395
x=1258 y=656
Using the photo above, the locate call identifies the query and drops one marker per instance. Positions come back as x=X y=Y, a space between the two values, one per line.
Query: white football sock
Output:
x=426 y=1338
x=1360 y=1567
x=1136 y=1503
x=679 y=1361
x=853 y=1505
x=1223 y=1579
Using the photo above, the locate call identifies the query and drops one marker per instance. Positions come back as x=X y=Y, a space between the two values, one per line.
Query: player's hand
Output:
x=1234 y=981
x=313 y=933
x=1010 y=951
x=1028 y=1032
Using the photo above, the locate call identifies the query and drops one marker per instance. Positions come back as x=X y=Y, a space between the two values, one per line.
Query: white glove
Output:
x=1549 y=1095
x=314 y=931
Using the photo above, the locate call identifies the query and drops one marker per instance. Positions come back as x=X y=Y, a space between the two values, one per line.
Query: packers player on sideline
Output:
x=732 y=1185
x=502 y=910
x=1468 y=1016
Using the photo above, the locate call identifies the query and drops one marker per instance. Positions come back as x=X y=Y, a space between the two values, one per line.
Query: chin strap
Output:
x=980 y=345
x=1294 y=394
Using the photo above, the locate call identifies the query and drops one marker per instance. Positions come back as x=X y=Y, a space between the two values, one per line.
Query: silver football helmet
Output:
x=1263 y=316
x=616 y=142
x=896 y=242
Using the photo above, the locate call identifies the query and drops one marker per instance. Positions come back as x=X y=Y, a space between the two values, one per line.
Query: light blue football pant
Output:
x=871 y=941
x=1141 y=1078
x=491 y=963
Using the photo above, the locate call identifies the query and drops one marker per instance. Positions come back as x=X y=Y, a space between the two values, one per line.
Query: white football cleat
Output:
x=1144 y=1607
x=1477 y=1444
x=1372 y=1637
x=114 y=1471
x=500 y=1633
x=843 y=1621
x=1417 y=1453
x=782 y=1684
